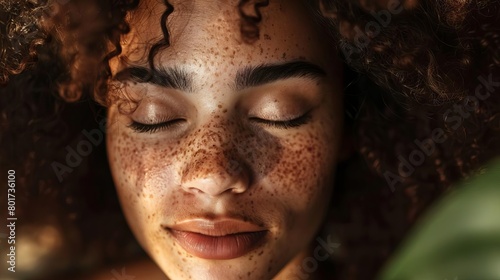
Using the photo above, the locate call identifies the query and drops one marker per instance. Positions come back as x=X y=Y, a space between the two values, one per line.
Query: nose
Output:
x=213 y=175
x=214 y=167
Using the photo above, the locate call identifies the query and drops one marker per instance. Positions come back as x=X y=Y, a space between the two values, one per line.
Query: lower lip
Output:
x=218 y=247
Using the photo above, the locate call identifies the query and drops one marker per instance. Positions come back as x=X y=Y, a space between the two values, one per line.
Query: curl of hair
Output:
x=20 y=36
x=249 y=21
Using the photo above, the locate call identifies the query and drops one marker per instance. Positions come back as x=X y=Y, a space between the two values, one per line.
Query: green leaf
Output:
x=458 y=239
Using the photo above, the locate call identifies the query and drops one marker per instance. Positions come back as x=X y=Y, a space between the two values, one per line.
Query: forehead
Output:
x=208 y=32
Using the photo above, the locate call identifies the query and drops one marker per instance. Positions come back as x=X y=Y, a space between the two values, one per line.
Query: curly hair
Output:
x=411 y=65
x=431 y=57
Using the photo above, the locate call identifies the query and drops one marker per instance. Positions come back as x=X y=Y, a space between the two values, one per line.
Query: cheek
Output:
x=305 y=172
x=132 y=163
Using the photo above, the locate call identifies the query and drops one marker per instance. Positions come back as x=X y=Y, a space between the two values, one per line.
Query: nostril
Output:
x=216 y=183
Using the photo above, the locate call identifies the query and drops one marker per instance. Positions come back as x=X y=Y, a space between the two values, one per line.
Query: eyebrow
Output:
x=253 y=76
x=250 y=76
x=169 y=77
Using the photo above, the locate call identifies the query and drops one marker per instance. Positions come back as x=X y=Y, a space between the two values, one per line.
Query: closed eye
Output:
x=285 y=124
x=152 y=128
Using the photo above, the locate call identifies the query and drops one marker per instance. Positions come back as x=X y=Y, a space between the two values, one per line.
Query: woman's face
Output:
x=225 y=167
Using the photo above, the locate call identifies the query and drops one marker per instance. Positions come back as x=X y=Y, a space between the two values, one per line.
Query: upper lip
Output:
x=218 y=227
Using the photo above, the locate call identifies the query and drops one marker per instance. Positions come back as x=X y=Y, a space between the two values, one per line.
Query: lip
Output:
x=218 y=239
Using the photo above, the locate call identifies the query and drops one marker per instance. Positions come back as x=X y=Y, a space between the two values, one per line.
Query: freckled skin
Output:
x=217 y=161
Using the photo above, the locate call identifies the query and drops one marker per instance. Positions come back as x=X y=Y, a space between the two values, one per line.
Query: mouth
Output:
x=218 y=240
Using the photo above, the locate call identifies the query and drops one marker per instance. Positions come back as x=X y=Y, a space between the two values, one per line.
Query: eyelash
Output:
x=302 y=120
x=152 y=128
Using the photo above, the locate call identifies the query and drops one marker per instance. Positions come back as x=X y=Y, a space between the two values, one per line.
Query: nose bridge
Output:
x=213 y=165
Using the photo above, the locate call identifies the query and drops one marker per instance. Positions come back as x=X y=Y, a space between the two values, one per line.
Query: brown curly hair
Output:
x=403 y=78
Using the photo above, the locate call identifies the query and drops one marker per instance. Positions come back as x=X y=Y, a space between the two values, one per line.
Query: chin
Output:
x=241 y=268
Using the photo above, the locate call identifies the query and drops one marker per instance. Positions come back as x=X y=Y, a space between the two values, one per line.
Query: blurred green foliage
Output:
x=458 y=239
